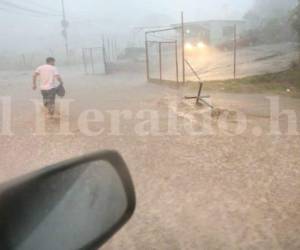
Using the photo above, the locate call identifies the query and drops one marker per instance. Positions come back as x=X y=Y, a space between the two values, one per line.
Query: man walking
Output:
x=48 y=75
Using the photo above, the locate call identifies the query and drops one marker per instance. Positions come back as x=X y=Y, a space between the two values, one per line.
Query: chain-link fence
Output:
x=94 y=60
x=163 y=55
x=163 y=61
x=30 y=60
x=230 y=51
x=219 y=51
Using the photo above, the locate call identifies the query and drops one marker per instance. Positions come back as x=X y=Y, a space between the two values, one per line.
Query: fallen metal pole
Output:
x=192 y=69
x=199 y=99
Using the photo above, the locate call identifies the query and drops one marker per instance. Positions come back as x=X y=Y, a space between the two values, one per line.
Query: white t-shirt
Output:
x=47 y=74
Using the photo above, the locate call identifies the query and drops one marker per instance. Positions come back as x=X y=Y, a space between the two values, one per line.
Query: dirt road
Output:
x=194 y=192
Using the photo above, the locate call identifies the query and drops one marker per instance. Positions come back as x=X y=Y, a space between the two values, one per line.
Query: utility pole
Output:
x=183 y=48
x=65 y=25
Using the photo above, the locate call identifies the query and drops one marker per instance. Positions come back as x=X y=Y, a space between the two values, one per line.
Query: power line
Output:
x=10 y=6
x=38 y=13
x=26 y=9
x=44 y=7
x=20 y=12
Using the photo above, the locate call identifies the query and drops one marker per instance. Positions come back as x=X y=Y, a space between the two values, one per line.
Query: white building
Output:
x=214 y=32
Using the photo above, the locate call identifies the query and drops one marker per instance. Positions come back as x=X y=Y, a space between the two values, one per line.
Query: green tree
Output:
x=295 y=19
x=269 y=20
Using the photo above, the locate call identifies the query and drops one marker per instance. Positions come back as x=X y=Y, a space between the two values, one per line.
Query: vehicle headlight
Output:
x=188 y=46
x=201 y=45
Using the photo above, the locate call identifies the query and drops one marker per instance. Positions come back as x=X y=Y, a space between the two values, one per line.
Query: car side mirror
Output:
x=76 y=204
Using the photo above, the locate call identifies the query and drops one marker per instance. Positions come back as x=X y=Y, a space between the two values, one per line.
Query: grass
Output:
x=276 y=83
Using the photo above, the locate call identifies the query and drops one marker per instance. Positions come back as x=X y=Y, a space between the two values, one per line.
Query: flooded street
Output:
x=212 y=191
x=213 y=64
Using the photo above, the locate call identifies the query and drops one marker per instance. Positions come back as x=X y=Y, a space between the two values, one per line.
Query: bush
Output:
x=295 y=64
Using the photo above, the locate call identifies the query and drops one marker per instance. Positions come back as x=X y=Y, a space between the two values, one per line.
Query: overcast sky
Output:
x=131 y=11
x=93 y=17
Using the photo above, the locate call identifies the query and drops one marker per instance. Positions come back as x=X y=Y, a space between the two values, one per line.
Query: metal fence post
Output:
x=234 y=53
x=160 y=63
x=147 y=57
x=104 y=56
x=84 y=61
x=183 y=47
x=176 y=60
x=92 y=60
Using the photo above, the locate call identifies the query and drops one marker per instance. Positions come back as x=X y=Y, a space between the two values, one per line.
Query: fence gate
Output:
x=94 y=60
x=162 y=61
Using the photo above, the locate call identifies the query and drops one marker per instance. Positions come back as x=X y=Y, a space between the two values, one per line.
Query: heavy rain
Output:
x=201 y=98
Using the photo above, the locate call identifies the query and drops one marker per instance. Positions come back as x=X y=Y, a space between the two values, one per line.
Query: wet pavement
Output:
x=219 y=191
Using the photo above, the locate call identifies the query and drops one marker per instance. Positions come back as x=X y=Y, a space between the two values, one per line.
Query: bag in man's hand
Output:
x=60 y=91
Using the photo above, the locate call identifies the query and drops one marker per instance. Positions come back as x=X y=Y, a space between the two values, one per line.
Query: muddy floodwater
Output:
x=211 y=191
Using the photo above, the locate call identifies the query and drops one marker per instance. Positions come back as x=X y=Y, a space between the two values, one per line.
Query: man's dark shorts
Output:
x=49 y=98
